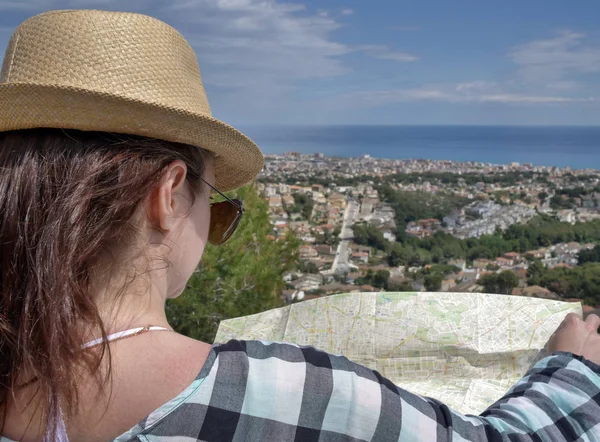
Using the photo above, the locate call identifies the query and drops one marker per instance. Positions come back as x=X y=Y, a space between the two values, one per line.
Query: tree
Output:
x=241 y=277
x=336 y=236
x=302 y=204
x=307 y=267
x=368 y=235
x=489 y=282
x=502 y=283
x=411 y=206
x=444 y=269
x=342 y=279
x=507 y=281
x=437 y=254
x=398 y=255
x=579 y=282
x=592 y=255
x=433 y=282
x=535 y=272
x=399 y=286
x=480 y=251
x=380 y=279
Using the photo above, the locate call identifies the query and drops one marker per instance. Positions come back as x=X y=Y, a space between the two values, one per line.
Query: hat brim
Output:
x=28 y=106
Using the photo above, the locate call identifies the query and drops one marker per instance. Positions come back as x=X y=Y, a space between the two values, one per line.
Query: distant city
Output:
x=374 y=224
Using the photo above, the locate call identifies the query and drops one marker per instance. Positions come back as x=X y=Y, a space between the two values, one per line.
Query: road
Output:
x=341 y=263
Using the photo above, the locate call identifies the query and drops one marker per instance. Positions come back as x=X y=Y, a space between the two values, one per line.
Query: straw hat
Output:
x=117 y=72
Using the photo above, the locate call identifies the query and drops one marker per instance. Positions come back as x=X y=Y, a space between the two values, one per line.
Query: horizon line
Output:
x=415 y=125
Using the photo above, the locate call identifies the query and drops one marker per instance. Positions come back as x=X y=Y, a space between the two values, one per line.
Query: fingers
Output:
x=570 y=319
x=593 y=312
x=593 y=321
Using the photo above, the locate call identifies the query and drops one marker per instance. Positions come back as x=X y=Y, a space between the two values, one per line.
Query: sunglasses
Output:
x=225 y=216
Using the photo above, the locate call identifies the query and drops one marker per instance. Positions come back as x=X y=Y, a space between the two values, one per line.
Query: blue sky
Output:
x=524 y=62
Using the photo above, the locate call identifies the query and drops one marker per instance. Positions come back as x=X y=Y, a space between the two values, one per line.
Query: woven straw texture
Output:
x=117 y=72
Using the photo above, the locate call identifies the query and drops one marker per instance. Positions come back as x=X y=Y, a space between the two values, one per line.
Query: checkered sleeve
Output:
x=261 y=391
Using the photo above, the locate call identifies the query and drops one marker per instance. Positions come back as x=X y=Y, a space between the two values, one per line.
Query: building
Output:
x=539 y=254
x=360 y=257
x=275 y=202
x=270 y=191
x=308 y=282
x=454 y=220
x=423 y=227
x=288 y=200
x=289 y=296
x=338 y=200
x=325 y=250
x=307 y=252
x=469 y=276
x=417 y=232
x=503 y=262
x=460 y=263
x=384 y=213
x=535 y=291
x=448 y=284
x=362 y=249
x=481 y=263
x=336 y=287
x=389 y=235
x=430 y=224
x=515 y=257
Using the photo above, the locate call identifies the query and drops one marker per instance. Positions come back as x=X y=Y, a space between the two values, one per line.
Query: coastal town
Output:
x=358 y=231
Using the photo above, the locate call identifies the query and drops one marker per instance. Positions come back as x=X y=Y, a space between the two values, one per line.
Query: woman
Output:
x=104 y=214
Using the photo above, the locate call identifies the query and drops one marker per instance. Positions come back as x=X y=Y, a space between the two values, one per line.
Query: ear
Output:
x=168 y=196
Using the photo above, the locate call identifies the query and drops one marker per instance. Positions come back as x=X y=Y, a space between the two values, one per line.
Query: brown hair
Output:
x=65 y=197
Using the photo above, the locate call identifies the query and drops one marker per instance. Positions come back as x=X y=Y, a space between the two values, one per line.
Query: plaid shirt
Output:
x=260 y=391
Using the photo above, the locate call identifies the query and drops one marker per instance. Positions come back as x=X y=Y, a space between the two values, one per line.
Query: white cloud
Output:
x=560 y=62
x=530 y=99
x=238 y=41
x=471 y=92
x=476 y=86
x=396 y=56
x=245 y=42
x=253 y=54
x=564 y=85
x=384 y=53
x=38 y=6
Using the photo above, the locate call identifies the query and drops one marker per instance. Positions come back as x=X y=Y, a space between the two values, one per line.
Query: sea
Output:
x=576 y=147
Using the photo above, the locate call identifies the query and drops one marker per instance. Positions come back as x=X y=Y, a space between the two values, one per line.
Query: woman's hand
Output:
x=577 y=336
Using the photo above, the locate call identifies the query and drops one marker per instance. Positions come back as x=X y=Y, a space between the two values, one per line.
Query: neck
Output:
x=128 y=305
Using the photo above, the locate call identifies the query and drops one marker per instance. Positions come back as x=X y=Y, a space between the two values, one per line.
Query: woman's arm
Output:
x=557 y=400
x=267 y=391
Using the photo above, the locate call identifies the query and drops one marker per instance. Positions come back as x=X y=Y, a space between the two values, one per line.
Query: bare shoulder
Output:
x=147 y=372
